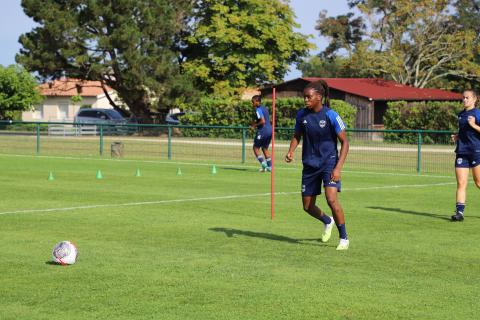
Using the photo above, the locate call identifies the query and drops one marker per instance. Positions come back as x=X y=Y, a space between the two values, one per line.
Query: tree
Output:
x=344 y=32
x=468 y=16
x=316 y=66
x=18 y=91
x=125 y=44
x=412 y=42
x=233 y=44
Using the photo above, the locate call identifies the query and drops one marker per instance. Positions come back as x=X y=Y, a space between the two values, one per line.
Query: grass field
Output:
x=203 y=246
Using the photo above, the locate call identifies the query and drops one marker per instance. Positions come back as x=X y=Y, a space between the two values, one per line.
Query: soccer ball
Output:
x=64 y=253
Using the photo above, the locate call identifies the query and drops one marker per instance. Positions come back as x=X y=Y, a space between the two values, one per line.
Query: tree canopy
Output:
x=233 y=44
x=421 y=43
x=125 y=44
x=18 y=91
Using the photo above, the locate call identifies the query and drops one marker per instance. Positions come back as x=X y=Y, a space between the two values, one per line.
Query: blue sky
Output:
x=13 y=22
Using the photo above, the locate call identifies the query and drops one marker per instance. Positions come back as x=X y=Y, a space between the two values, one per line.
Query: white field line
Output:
x=293 y=167
x=129 y=204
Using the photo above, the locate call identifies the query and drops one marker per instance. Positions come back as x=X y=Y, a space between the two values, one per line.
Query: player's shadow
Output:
x=234 y=169
x=269 y=236
x=415 y=213
x=52 y=263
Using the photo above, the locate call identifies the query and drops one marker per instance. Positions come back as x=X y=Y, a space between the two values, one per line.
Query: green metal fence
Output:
x=420 y=151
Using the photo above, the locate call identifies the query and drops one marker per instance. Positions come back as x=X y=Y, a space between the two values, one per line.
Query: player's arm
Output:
x=337 y=171
x=472 y=121
x=297 y=137
x=260 y=119
x=340 y=130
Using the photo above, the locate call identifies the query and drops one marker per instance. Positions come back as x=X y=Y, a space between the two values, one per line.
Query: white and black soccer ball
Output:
x=64 y=253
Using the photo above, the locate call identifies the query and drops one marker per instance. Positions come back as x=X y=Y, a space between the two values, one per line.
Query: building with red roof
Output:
x=58 y=105
x=369 y=96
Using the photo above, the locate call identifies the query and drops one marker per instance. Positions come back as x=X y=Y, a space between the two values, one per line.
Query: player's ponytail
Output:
x=321 y=87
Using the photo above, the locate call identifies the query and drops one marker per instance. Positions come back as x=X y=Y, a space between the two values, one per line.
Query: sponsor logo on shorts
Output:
x=304 y=121
x=259 y=137
x=474 y=162
x=322 y=123
x=303 y=188
x=459 y=161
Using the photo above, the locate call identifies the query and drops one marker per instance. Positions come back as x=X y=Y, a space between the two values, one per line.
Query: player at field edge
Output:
x=263 y=135
x=467 y=150
x=321 y=128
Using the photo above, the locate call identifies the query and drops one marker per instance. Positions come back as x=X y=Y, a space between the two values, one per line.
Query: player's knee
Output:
x=307 y=207
x=332 y=201
x=463 y=184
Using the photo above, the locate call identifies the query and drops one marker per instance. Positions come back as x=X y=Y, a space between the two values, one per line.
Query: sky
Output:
x=13 y=22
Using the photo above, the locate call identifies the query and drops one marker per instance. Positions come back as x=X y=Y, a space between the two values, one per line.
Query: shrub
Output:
x=404 y=115
x=229 y=112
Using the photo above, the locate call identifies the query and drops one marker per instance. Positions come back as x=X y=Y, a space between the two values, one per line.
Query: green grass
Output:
x=200 y=255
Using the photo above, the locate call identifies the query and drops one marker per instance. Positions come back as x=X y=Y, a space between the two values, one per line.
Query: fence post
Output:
x=244 y=133
x=169 y=142
x=38 y=138
x=419 y=152
x=101 y=140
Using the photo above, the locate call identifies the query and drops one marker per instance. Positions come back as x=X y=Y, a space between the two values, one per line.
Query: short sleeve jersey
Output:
x=260 y=112
x=468 y=138
x=319 y=131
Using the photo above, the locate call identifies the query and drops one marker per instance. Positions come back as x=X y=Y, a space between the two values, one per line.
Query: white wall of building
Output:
x=62 y=109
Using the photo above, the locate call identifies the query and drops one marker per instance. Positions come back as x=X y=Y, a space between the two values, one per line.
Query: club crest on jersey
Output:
x=459 y=161
x=322 y=123
x=304 y=121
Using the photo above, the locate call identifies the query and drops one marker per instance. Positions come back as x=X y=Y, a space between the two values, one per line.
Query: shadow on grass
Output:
x=234 y=169
x=415 y=213
x=269 y=236
x=52 y=263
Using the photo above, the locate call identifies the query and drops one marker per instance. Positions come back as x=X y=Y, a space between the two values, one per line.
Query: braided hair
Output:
x=321 y=87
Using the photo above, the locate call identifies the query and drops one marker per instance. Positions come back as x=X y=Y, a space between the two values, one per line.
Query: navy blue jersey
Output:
x=319 y=131
x=260 y=112
x=468 y=138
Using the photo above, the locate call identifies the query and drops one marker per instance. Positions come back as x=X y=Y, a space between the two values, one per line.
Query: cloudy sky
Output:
x=14 y=22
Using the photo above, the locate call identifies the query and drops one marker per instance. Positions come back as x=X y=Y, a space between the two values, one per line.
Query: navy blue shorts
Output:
x=262 y=140
x=467 y=160
x=312 y=179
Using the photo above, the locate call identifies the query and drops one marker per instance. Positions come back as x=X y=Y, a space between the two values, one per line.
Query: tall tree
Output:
x=413 y=42
x=234 y=44
x=319 y=66
x=468 y=17
x=343 y=31
x=125 y=44
x=18 y=91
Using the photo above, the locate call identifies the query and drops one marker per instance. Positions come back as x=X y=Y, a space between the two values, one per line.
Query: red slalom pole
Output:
x=272 y=184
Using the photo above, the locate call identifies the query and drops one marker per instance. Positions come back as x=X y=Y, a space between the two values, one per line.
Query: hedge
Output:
x=404 y=115
x=218 y=112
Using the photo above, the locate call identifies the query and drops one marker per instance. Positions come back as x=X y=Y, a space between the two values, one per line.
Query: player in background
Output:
x=321 y=128
x=467 y=150
x=263 y=135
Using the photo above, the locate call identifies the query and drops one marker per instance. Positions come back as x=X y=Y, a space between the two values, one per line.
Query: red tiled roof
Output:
x=72 y=87
x=380 y=89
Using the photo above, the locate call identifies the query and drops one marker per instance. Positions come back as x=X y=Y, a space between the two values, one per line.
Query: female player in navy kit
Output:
x=321 y=128
x=467 y=150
